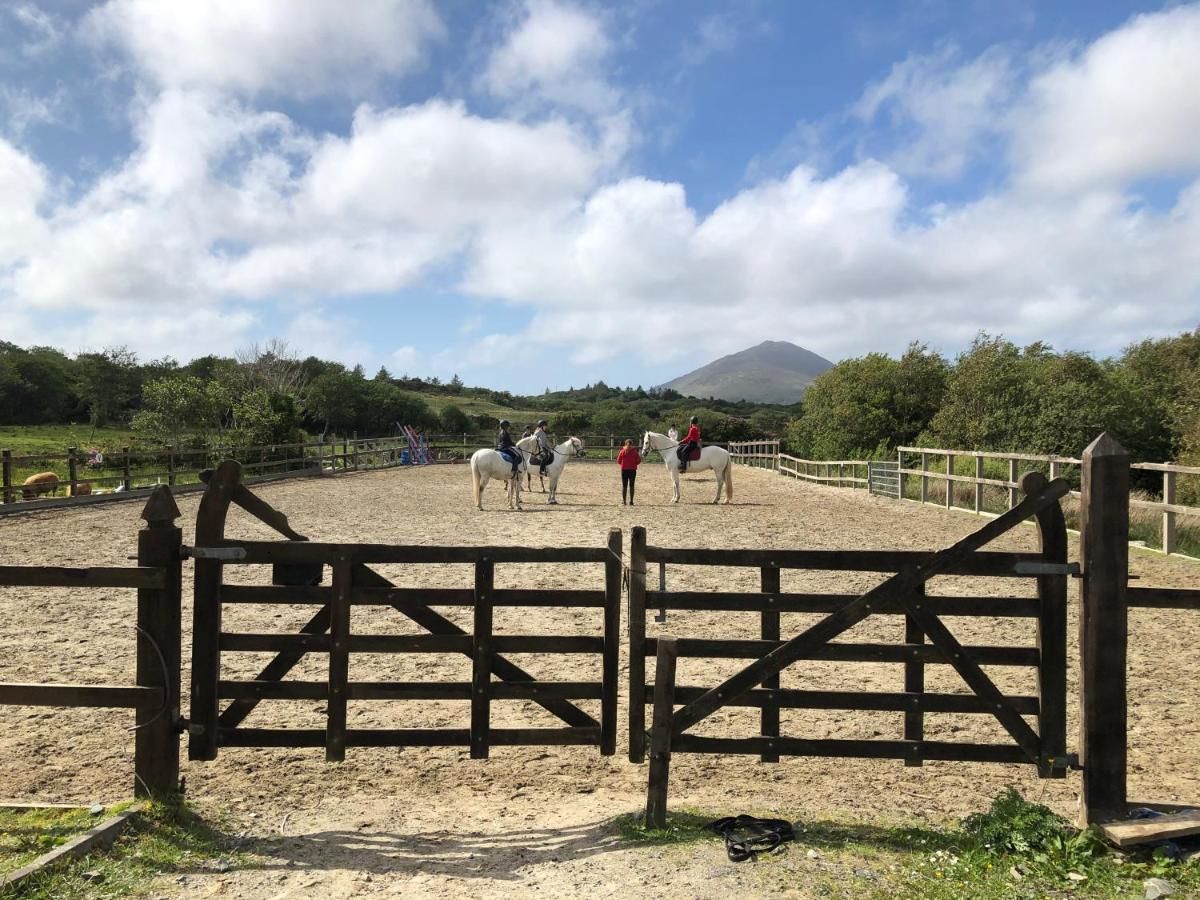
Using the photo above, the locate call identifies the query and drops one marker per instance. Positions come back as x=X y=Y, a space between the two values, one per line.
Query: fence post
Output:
x=1168 y=519
x=481 y=669
x=125 y=477
x=612 y=644
x=6 y=457
x=978 y=483
x=1104 y=628
x=949 y=481
x=72 y=471
x=924 y=478
x=637 y=644
x=660 y=735
x=354 y=444
x=171 y=465
x=159 y=611
x=1012 y=487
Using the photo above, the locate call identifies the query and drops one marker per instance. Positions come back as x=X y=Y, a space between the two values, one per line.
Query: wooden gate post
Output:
x=7 y=467
x=637 y=644
x=660 y=733
x=156 y=745
x=612 y=644
x=1103 y=628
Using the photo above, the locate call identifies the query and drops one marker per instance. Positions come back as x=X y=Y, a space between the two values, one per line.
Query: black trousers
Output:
x=628 y=477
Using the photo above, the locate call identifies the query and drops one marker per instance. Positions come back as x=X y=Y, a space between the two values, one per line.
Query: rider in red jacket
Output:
x=690 y=441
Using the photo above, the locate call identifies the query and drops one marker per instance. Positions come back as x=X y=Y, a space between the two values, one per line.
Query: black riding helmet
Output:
x=504 y=423
x=542 y=423
x=695 y=420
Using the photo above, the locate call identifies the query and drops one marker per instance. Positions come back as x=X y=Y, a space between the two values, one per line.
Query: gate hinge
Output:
x=1070 y=762
x=195 y=728
x=223 y=553
x=1037 y=567
x=182 y=726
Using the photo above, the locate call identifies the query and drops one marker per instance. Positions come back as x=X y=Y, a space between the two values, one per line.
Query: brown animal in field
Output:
x=41 y=483
x=82 y=489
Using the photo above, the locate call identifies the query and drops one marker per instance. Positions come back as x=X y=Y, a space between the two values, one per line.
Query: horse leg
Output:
x=553 y=490
x=720 y=480
x=675 y=478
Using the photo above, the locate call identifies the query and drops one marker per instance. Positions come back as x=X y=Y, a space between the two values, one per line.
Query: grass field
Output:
x=25 y=440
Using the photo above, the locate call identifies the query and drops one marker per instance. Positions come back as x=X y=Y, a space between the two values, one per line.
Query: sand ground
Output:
x=538 y=821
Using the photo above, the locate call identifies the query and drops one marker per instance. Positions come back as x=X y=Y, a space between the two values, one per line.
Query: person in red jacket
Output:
x=690 y=442
x=628 y=459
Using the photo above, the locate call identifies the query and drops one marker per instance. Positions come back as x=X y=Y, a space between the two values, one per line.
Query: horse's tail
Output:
x=729 y=481
x=475 y=478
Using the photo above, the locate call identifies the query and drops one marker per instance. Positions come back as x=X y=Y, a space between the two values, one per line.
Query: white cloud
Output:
x=303 y=47
x=43 y=30
x=554 y=51
x=314 y=332
x=1126 y=107
x=23 y=184
x=943 y=109
x=405 y=359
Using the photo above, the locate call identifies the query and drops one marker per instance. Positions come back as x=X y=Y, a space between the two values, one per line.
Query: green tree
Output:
x=455 y=421
x=182 y=409
x=569 y=422
x=331 y=398
x=991 y=400
x=107 y=382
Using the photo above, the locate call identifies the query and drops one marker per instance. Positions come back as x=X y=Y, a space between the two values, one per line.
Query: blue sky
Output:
x=542 y=193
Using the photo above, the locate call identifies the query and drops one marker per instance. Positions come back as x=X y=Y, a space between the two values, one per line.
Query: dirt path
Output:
x=432 y=822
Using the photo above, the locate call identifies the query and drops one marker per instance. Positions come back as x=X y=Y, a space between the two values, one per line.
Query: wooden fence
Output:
x=298 y=573
x=155 y=695
x=903 y=593
x=767 y=455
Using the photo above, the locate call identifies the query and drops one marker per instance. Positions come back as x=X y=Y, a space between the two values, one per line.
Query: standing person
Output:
x=545 y=445
x=628 y=459
x=527 y=432
x=508 y=449
x=673 y=433
x=690 y=442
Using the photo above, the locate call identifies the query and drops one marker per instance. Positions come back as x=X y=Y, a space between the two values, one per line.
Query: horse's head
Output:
x=578 y=445
x=646 y=445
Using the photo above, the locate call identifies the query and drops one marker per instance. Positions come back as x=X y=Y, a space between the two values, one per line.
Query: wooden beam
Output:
x=112 y=696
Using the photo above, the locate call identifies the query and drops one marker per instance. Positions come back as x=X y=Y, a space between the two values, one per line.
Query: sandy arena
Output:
x=432 y=822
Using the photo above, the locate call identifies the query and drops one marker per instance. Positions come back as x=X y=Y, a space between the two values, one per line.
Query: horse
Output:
x=41 y=483
x=563 y=453
x=487 y=464
x=714 y=458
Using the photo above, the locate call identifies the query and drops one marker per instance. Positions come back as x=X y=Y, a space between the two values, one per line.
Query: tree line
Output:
x=997 y=396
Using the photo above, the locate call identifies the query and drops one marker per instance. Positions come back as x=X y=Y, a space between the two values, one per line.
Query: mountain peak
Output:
x=770 y=372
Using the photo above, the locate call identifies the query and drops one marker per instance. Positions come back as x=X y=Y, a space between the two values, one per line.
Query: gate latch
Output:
x=1037 y=567
x=1070 y=761
x=223 y=553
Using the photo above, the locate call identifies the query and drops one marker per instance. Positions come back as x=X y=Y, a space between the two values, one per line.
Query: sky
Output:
x=547 y=193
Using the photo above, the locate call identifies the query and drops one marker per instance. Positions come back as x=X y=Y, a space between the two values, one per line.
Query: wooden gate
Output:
x=757 y=685
x=298 y=575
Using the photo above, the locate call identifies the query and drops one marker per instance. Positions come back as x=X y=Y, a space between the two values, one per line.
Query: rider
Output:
x=504 y=443
x=690 y=442
x=544 y=445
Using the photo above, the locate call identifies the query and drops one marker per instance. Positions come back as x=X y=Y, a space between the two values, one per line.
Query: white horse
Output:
x=563 y=454
x=488 y=464
x=714 y=458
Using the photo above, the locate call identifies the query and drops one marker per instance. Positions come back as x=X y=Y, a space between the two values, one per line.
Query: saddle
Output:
x=510 y=455
x=692 y=456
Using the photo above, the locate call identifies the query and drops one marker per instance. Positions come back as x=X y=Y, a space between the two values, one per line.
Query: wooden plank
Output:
x=98 y=838
x=264 y=643
x=660 y=735
x=1104 y=628
x=339 y=661
x=537 y=643
x=113 y=696
x=1132 y=832
x=272 y=690
x=914 y=684
x=1034 y=457
x=717 y=648
x=769 y=631
x=1051 y=638
x=1005 y=607
x=1163 y=598
x=571 y=690
x=789 y=698
x=355 y=737
x=410 y=643
x=610 y=665
x=481 y=660
x=637 y=644
x=299 y=595
x=544 y=737
x=146 y=577
x=995 y=563
x=854 y=612
x=851 y=749
x=465 y=597
x=417 y=554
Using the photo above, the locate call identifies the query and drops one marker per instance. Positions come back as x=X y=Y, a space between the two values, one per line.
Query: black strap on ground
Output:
x=746 y=836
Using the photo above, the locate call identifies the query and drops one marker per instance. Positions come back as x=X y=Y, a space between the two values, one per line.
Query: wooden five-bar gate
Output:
x=904 y=593
x=298 y=575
